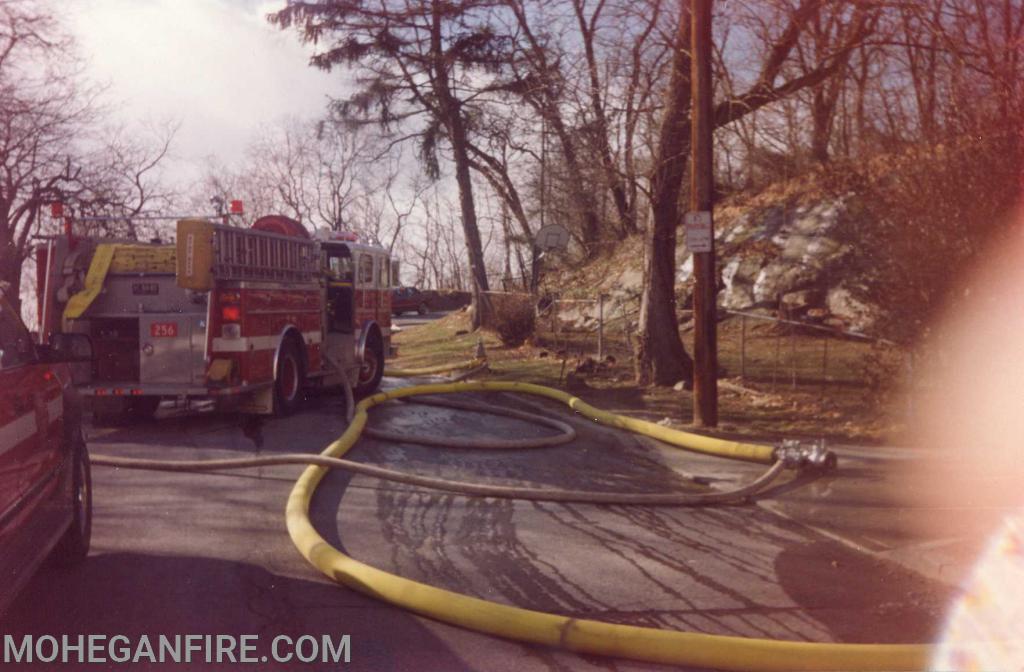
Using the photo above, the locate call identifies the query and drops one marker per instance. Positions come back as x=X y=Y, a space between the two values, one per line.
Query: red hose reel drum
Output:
x=279 y=224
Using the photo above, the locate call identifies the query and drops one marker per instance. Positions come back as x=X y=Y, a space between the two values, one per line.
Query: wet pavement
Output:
x=184 y=553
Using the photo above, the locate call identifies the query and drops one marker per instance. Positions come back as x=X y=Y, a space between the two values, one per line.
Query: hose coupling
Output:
x=809 y=455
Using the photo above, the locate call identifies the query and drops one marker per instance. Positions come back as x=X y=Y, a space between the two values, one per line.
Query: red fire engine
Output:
x=248 y=317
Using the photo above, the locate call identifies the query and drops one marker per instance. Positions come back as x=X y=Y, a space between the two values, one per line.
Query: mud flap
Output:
x=260 y=402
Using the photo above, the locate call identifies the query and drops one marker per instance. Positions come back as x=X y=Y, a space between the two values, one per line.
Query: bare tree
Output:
x=52 y=147
x=121 y=178
x=541 y=83
x=415 y=61
x=661 y=357
x=41 y=110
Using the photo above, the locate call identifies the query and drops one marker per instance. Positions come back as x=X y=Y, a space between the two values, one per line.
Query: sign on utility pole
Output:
x=700 y=236
x=705 y=319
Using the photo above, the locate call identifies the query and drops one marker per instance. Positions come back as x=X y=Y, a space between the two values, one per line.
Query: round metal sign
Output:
x=552 y=237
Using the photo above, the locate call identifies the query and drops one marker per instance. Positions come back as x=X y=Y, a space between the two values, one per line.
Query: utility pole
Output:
x=700 y=223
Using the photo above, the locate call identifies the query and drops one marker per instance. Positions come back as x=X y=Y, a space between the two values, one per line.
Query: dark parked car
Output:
x=45 y=483
x=404 y=299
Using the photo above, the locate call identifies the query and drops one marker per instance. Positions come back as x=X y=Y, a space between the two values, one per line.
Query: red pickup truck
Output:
x=45 y=483
x=405 y=299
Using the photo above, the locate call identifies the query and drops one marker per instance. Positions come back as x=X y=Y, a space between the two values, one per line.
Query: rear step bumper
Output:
x=166 y=390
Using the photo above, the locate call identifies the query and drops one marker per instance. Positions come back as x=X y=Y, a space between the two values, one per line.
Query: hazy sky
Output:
x=216 y=66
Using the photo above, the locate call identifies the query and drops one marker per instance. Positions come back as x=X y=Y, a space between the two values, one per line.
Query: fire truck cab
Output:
x=247 y=317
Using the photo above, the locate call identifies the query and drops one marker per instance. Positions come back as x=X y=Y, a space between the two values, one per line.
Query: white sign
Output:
x=698 y=231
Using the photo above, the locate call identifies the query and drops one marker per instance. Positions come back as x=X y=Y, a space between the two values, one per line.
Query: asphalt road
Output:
x=413 y=318
x=209 y=554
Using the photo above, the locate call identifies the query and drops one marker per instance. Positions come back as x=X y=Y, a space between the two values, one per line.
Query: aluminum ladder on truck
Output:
x=206 y=251
x=247 y=254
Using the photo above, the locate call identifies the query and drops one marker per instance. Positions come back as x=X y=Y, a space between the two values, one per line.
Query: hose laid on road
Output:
x=567 y=433
x=455 y=487
x=580 y=635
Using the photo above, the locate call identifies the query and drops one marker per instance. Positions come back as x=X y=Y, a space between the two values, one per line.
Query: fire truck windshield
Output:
x=339 y=264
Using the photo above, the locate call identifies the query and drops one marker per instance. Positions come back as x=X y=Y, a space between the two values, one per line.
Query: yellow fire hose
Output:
x=580 y=635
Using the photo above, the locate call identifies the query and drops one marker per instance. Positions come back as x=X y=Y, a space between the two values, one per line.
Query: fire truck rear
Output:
x=247 y=317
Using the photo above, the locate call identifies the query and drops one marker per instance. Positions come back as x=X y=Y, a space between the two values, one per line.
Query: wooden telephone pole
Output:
x=700 y=223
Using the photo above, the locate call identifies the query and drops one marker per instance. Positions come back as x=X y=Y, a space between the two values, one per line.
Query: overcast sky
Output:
x=216 y=66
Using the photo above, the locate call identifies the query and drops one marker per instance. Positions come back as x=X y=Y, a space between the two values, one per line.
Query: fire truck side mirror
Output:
x=67 y=347
x=194 y=254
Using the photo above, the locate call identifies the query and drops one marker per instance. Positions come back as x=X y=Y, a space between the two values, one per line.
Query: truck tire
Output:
x=108 y=411
x=422 y=308
x=289 y=379
x=142 y=408
x=372 y=369
x=74 y=545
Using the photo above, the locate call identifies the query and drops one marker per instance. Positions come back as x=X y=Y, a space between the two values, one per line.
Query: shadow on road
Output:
x=860 y=598
x=133 y=594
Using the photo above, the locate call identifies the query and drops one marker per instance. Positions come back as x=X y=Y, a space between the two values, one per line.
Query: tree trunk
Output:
x=451 y=114
x=470 y=230
x=10 y=271
x=661 y=356
x=627 y=223
x=822 y=115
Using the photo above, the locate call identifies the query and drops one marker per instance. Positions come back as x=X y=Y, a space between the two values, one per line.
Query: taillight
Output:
x=231 y=313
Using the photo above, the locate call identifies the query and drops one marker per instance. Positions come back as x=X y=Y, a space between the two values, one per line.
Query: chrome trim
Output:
x=280 y=342
x=267 y=284
x=50 y=250
x=208 y=341
x=812 y=455
x=363 y=337
x=169 y=390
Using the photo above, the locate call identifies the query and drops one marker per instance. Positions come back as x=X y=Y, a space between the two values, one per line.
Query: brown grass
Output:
x=766 y=404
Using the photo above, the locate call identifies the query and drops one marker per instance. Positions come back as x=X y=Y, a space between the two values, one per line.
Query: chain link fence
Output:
x=759 y=349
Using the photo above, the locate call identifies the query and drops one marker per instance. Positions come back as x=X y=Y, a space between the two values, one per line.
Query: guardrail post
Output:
x=792 y=354
x=824 y=366
x=743 y=347
x=910 y=384
x=778 y=353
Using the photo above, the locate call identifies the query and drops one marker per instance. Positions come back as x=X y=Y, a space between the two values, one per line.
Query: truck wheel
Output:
x=142 y=408
x=74 y=545
x=372 y=368
x=289 y=381
x=422 y=308
x=108 y=411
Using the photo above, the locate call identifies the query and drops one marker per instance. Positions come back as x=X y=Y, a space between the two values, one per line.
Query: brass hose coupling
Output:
x=806 y=455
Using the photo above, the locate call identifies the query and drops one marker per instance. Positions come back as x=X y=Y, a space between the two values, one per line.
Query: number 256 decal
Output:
x=163 y=329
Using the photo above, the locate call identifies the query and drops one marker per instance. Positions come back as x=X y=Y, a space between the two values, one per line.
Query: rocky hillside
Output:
x=789 y=243
x=847 y=246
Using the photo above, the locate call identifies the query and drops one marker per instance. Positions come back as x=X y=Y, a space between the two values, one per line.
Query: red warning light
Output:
x=236 y=208
x=231 y=313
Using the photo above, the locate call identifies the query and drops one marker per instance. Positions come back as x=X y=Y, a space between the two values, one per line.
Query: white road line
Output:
x=247 y=343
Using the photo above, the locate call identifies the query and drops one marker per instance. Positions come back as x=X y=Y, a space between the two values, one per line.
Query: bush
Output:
x=924 y=217
x=512 y=316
